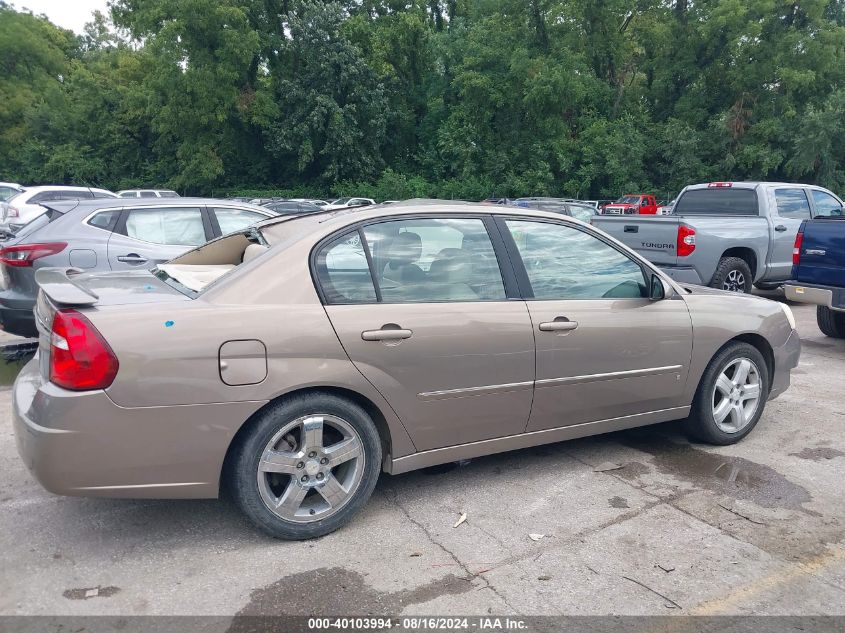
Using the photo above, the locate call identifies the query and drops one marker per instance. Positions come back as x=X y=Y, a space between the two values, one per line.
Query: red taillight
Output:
x=80 y=358
x=25 y=254
x=686 y=240
x=12 y=212
x=796 y=248
x=720 y=185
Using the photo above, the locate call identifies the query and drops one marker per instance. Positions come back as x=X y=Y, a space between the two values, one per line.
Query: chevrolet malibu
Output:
x=293 y=362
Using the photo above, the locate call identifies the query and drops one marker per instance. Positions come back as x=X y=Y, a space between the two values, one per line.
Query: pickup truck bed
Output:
x=660 y=240
x=818 y=272
x=727 y=235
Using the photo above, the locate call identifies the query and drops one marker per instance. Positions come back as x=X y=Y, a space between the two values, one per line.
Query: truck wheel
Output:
x=732 y=274
x=831 y=323
x=730 y=397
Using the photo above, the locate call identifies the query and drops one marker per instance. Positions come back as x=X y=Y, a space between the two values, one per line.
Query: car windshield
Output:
x=628 y=200
x=342 y=201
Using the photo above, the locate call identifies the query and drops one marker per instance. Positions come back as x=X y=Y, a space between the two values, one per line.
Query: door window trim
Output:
x=506 y=271
x=525 y=287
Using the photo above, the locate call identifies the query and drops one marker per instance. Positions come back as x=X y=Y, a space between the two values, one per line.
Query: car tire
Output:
x=831 y=322
x=732 y=274
x=722 y=411
x=283 y=445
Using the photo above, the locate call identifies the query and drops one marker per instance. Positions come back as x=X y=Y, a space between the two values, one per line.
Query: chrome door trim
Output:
x=475 y=391
x=526 y=440
x=613 y=375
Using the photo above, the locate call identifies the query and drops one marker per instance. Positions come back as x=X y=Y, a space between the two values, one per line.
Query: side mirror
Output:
x=657 y=291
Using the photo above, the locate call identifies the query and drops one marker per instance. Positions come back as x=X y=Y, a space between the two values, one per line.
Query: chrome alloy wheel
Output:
x=736 y=395
x=311 y=468
x=735 y=281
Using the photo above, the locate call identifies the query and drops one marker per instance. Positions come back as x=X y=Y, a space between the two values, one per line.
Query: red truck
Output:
x=632 y=204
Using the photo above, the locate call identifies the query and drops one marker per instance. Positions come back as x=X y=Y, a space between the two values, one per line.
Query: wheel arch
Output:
x=744 y=253
x=762 y=345
x=362 y=401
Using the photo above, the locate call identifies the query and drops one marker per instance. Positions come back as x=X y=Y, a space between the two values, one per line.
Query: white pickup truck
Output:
x=728 y=235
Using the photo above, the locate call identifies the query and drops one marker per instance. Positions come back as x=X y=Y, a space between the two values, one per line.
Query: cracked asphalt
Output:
x=636 y=522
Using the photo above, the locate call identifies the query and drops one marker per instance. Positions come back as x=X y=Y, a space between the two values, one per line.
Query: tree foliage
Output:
x=409 y=98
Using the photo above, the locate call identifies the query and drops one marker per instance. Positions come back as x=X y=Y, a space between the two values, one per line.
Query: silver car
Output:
x=108 y=234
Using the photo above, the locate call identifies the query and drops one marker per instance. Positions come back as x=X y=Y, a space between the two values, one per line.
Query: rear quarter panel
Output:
x=169 y=353
x=715 y=235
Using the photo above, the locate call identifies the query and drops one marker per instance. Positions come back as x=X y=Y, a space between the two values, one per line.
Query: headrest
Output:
x=405 y=249
x=252 y=251
x=452 y=265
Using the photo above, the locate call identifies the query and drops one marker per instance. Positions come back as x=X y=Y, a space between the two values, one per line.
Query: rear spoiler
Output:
x=57 y=284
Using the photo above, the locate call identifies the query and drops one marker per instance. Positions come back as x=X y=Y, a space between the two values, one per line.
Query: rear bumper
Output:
x=83 y=444
x=830 y=297
x=786 y=359
x=684 y=274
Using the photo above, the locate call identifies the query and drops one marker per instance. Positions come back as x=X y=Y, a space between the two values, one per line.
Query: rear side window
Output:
x=827 y=205
x=231 y=220
x=104 y=220
x=434 y=259
x=343 y=271
x=172 y=226
x=792 y=203
x=718 y=201
x=72 y=195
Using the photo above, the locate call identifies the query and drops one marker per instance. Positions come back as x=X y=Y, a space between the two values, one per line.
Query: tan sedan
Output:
x=295 y=361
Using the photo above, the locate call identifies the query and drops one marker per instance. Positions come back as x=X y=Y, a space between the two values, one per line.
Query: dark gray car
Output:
x=108 y=234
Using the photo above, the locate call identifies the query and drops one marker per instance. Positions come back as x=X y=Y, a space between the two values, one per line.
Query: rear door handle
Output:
x=560 y=324
x=386 y=334
x=780 y=228
x=132 y=258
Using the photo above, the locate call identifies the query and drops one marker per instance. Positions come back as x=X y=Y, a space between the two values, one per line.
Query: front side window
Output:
x=174 y=226
x=826 y=204
x=435 y=259
x=792 y=203
x=128 y=194
x=563 y=262
x=148 y=194
x=343 y=271
x=231 y=220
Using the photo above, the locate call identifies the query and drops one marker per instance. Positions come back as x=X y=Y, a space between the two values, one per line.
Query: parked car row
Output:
x=107 y=234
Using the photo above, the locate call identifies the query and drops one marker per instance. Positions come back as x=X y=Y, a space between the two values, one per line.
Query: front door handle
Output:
x=780 y=228
x=560 y=324
x=132 y=258
x=386 y=334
